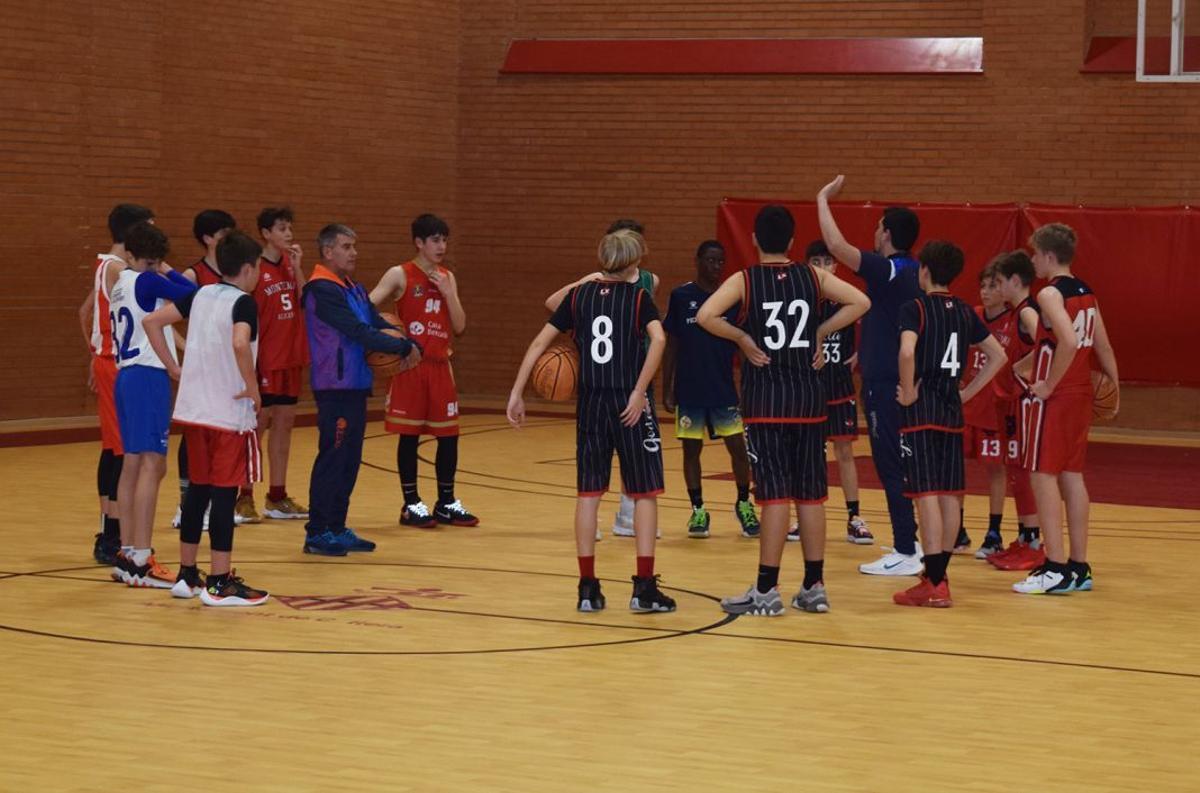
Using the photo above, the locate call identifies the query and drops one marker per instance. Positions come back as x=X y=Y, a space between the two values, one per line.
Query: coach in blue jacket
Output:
x=342 y=325
x=890 y=272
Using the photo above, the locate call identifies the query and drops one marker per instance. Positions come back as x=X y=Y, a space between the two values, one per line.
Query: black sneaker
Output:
x=1081 y=576
x=963 y=543
x=992 y=543
x=647 y=597
x=454 y=513
x=189 y=583
x=590 y=597
x=229 y=590
x=104 y=550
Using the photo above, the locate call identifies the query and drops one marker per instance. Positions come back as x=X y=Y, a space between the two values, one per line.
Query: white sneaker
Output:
x=623 y=522
x=623 y=530
x=599 y=535
x=1044 y=582
x=895 y=564
x=178 y=519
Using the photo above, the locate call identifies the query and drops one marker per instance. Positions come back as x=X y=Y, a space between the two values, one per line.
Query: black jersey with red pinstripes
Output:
x=608 y=320
x=946 y=327
x=781 y=312
x=838 y=348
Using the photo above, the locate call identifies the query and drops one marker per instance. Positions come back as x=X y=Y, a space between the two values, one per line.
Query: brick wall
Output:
x=345 y=109
x=369 y=112
x=546 y=161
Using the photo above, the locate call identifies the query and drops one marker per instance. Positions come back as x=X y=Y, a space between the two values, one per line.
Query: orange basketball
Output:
x=386 y=364
x=1105 y=396
x=556 y=373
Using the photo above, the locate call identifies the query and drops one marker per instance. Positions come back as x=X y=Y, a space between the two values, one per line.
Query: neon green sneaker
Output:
x=698 y=523
x=745 y=515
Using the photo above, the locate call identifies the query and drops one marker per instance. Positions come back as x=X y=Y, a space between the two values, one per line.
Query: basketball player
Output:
x=424 y=400
x=698 y=387
x=143 y=397
x=217 y=405
x=282 y=356
x=96 y=323
x=841 y=424
x=1057 y=416
x=608 y=318
x=891 y=275
x=936 y=332
x=623 y=523
x=783 y=400
x=984 y=433
x=1026 y=552
x=208 y=227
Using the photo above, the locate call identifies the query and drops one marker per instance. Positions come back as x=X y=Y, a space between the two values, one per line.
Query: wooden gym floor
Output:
x=453 y=660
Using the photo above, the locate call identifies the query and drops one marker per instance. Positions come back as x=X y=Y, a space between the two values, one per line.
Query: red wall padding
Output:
x=1140 y=262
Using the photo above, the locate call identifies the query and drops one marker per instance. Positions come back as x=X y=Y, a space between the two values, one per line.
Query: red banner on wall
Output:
x=1135 y=260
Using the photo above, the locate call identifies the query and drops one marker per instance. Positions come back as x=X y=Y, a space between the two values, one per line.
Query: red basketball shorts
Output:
x=423 y=401
x=104 y=373
x=1054 y=433
x=222 y=458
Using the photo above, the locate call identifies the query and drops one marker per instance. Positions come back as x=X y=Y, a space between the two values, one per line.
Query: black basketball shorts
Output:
x=599 y=431
x=932 y=462
x=788 y=461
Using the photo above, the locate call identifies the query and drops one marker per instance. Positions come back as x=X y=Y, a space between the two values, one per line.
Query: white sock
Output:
x=127 y=550
x=140 y=556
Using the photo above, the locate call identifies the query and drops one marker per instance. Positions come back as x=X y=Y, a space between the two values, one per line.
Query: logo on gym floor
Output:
x=376 y=598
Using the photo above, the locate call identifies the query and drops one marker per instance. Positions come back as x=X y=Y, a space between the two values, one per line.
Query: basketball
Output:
x=1105 y=396
x=556 y=373
x=385 y=364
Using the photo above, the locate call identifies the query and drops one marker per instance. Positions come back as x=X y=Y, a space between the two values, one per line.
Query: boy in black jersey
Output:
x=936 y=331
x=783 y=400
x=608 y=318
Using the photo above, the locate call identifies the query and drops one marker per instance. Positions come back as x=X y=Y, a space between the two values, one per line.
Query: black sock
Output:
x=446 y=464
x=1077 y=567
x=852 y=508
x=813 y=572
x=1057 y=567
x=112 y=528
x=1029 y=533
x=406 y=464
x=768 y=578
x=935 y=566
x=994 y=519
x=694 y=493
x=215 y=580
x=743 y=492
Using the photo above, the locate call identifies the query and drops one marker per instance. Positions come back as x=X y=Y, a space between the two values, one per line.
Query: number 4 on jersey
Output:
x=950 y=359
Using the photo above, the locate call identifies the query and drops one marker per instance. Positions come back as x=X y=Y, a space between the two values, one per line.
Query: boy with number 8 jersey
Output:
x=608 y=318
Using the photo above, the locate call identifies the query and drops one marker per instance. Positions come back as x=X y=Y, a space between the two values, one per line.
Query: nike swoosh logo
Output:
x=890 y=566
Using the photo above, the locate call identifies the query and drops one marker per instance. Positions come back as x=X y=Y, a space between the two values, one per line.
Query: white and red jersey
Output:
x=423 y=313
x=102 y=339
x=283 y=341
x=210 y=376
x=1081 y=307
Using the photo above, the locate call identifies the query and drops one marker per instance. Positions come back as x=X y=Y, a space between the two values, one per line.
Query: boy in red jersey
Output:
x=424 y=399
x=96 y=323
x=937 y=331
x=984 y=436
x=1025 y=553
x=282 y=356
x=1056 y=418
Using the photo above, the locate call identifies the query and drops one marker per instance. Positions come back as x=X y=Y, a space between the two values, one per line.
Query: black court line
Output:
x=956 y=654
x=664 y=633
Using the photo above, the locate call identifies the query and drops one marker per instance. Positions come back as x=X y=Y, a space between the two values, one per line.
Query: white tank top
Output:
x=210 y=373
x=100 y=304
x=130 y=345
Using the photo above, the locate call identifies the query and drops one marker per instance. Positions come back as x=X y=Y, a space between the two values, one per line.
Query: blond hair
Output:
x=620 y=250
x=1056 y=238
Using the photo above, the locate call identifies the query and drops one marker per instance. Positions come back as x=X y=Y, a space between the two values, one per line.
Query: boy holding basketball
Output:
x=1056 y=418
x=937 y=331
x=424 y=400
x=282 y=356
x=609 y=317
x=783 y=400
x=217 y=405
x=648 y=281
x=698 y=387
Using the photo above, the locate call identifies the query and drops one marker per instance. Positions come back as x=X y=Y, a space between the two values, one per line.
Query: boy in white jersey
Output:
x=217 y=405
x=143 y=397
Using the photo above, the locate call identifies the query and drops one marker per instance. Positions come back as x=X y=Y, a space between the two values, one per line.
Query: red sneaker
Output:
x=1025 y=558
x=1013 y=547
x=925 y=594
